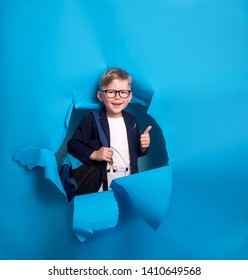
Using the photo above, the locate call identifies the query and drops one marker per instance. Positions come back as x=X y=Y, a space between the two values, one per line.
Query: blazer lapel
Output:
x=131 y=129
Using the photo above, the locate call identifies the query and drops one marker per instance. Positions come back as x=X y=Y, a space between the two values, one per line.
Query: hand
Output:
x=145 y=138
x=103 y=153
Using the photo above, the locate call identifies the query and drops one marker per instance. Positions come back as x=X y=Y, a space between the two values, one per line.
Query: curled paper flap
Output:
x=34 y=157
x=80 y=100
x=85 y=102
x=149 y=193
x=94 y=212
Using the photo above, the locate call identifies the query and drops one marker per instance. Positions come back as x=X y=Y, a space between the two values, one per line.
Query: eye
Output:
x=110 y=91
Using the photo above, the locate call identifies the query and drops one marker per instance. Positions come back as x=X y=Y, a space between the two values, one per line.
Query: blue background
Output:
x=191 y=58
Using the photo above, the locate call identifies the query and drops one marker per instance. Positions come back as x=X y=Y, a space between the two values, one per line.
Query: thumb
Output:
x=148 y=129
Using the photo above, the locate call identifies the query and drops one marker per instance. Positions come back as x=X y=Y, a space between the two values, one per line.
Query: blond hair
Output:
x=112 y=74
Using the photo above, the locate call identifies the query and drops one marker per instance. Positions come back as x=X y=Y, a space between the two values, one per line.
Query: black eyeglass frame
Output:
x=106 y=91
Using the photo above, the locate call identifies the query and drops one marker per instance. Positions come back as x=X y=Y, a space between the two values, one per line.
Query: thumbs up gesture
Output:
x=145 y=138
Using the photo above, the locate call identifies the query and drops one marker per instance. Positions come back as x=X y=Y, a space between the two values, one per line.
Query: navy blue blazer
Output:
x=86 y=140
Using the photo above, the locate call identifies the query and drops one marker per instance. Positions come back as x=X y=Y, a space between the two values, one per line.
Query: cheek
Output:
x=126 y=102
x=104 y=100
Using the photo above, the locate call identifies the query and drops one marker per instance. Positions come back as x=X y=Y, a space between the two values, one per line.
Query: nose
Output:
x=117 y=96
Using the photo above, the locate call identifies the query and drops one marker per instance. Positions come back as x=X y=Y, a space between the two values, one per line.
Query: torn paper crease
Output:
x=149 y=193
x=68 y=115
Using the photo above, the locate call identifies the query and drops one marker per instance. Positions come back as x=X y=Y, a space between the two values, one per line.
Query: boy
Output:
x=121 y=128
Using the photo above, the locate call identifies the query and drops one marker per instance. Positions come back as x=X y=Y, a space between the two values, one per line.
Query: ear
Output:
x=99 y=96
x=130 y=96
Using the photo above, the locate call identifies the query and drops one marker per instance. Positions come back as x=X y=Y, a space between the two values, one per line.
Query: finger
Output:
x=144 y=136
x=107 y=158
x=148 y=129
x=145 y=142
x=107 y=151
x=110 y=152
x=145 y=145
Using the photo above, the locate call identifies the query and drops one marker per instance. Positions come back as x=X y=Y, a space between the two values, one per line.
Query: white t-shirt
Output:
x=119 y=142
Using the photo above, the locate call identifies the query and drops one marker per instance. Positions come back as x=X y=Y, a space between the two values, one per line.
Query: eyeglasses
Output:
x=111 y=93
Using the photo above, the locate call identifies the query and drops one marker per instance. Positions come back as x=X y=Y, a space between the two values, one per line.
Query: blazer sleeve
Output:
x=84 y=140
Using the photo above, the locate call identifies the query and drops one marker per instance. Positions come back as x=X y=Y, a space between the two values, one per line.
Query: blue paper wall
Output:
x=191 y=58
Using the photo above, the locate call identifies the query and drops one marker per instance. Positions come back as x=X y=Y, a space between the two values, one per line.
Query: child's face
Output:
x=115 y=106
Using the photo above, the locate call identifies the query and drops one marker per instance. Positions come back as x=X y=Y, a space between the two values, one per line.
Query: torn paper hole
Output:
x=150 y=203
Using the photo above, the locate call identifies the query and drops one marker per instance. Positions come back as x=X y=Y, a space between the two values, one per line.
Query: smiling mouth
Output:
x=116 y=104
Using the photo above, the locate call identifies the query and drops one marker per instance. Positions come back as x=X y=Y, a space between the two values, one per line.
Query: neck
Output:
x=114 y=116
